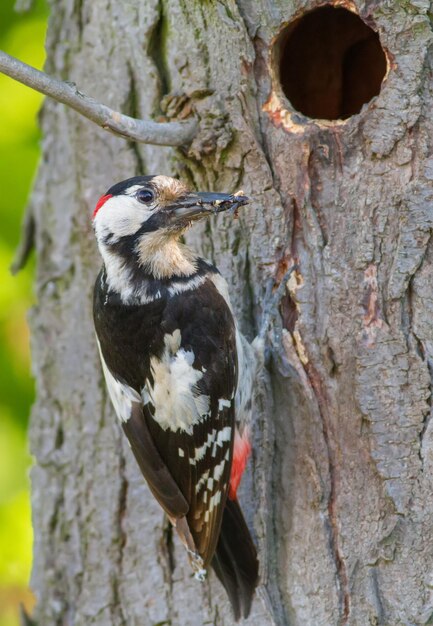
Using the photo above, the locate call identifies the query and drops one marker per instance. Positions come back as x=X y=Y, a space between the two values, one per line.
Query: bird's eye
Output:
x=145 y=196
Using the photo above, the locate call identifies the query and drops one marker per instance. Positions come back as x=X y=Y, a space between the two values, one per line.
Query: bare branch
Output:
x=144 y=131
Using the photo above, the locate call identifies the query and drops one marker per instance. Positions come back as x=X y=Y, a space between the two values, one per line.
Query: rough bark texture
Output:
x=340 y=488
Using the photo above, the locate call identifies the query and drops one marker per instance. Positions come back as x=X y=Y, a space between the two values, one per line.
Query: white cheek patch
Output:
x=120 y=216
x=122 y=396
x=174 y=394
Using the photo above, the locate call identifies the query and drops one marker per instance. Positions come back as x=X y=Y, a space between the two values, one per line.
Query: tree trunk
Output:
x=339 y=492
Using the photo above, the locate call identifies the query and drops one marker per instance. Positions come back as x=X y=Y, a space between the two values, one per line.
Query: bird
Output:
x=179 y=373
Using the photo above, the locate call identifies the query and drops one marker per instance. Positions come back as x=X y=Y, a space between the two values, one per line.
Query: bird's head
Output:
x=141 y=219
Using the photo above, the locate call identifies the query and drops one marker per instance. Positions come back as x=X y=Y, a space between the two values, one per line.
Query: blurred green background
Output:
x=22 y=35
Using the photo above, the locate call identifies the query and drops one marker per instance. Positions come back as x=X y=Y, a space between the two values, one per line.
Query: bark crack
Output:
x=316 y=393
x=329 y=437
x=156 y=51
x=316 y=387
x=122 y=537
x=167 y=562
x=270 y=592
x=409 y=330
x=133 y=109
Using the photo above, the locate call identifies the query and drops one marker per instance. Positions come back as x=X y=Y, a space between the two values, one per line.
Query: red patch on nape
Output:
x=102 y=200
x=241 y=452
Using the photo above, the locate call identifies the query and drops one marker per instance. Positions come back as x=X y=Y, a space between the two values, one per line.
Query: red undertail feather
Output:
x=241 y=452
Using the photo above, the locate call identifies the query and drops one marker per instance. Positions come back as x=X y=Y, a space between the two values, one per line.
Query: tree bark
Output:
x=339 y=492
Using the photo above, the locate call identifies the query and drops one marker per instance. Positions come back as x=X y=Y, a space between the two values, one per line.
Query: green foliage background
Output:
x=21 y=35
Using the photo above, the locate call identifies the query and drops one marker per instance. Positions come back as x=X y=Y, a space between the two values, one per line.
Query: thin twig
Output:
x=144 y=131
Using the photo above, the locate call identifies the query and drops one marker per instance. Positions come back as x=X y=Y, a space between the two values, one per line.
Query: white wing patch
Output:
x=174 y=394
x=122 y=396
x=223 y=403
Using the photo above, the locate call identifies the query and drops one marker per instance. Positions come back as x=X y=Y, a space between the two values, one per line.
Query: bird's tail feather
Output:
x=235 y=560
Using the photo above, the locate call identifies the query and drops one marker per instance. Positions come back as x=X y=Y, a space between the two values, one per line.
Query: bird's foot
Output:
x=197 y=565
x=200 y=575
x=196 y=561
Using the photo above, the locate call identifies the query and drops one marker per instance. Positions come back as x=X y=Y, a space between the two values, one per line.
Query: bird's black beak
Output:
x=197 y=205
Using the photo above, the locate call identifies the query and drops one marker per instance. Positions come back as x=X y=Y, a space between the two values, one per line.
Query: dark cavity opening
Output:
x=331 y=63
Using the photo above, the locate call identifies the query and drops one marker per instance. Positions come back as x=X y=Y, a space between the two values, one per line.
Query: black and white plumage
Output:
x=178 y=372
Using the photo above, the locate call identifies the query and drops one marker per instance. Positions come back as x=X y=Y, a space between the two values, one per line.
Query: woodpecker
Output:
x=179 y=373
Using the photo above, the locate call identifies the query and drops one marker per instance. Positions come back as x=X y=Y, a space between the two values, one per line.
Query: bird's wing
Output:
x=173 y=388
x=191 y=390
x=129 y=409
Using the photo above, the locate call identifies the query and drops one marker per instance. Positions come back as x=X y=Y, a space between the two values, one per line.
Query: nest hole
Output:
x=330 y=63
